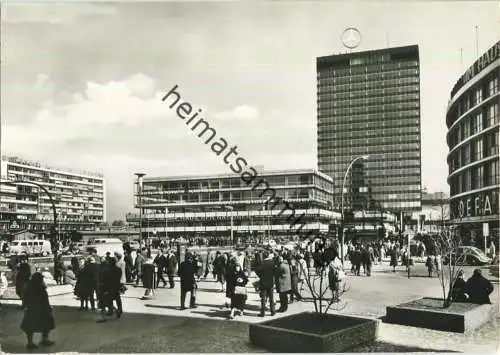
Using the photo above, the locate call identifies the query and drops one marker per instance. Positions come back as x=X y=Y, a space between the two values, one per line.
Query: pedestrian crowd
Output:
x=99 y=282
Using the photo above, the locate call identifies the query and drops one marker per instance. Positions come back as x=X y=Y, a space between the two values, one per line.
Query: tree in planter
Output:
x=319 y=282
x=447 y=246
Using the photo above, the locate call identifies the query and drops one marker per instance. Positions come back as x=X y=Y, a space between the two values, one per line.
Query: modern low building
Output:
x=289 y=203
x=434 y=216
x=473 y=122
x=79 y=198
x=368 y=104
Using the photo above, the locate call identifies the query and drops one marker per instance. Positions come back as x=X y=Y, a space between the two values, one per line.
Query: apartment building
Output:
x=30 y=190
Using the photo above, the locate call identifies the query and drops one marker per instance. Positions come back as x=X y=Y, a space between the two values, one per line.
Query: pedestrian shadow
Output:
x=248 y=306
x=209 y=290
x=214 y=313
x=175 y=308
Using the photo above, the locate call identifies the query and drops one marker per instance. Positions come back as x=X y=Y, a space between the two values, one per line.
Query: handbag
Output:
x=240 y=290
x=257 y=286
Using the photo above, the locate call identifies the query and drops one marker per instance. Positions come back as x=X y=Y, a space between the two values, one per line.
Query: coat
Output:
x=186 y=273
x=139 y=261
x=479 y=289
x=171 y=264
x=284 y=278
x=22 y=277
x=394 y=258
x=294 y=272
x=230 y=279
x=148 y=275
x=459 y=290
x=121 y=265
x=38 y=316
x=112 y=280
x=220 y=265
x=266 y=274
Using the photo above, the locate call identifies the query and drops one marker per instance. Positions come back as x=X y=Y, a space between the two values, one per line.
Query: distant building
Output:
x=368 y=103
x=433 y=217
x=473 y=123
x=287 y=203
x=79 y=198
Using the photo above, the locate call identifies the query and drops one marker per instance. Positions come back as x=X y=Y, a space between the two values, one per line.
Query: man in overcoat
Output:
x=112 y=286
x=171 y=266
x=187 y=272
x=266 y=272
x=284 y=283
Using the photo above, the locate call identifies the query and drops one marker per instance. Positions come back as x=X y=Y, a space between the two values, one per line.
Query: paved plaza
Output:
x=158 y=325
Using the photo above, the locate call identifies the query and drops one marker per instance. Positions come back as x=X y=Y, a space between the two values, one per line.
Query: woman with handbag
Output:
x=239 y=297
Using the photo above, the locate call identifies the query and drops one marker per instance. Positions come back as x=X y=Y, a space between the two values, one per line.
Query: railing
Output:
x=228 y=214
x=37 y=164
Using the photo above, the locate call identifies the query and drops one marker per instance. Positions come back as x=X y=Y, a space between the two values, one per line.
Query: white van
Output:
x=31 y=247
x=104 y=245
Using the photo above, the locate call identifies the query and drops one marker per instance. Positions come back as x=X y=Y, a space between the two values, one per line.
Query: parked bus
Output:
x=31 y=247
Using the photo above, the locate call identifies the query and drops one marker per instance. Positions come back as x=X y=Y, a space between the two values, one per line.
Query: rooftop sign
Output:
x=486 y=59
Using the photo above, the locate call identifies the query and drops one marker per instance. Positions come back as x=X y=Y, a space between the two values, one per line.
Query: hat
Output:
x=90 y=259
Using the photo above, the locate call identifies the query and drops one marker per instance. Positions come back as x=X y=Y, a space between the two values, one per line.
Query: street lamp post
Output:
x=231 y=208
x=139 y=191
x=165 y=212
x=364 y=157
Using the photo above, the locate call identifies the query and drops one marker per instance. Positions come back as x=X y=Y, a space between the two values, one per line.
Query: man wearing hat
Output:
x=479 y=288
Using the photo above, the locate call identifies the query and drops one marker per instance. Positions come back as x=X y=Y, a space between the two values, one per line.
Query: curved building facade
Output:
x=473 y=160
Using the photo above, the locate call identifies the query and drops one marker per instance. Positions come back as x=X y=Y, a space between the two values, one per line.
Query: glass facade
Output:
x=473 y=163
x=213 y=205
x=369 y=104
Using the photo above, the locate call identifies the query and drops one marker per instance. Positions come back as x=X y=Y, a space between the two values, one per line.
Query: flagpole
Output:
x=477 y=42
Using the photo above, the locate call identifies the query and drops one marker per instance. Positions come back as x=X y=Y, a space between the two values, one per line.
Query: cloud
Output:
x=53 y=13
x=242 y=112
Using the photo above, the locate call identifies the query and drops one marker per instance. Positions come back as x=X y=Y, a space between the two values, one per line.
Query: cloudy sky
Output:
x=82 y=82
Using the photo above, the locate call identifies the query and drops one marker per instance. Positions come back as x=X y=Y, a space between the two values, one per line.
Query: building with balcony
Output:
x=473 y=119
x=277 y=204
x=79 y=198
x=368 y=103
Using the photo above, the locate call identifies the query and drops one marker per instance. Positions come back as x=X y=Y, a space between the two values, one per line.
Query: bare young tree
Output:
x=324 y=290
x=447 y=246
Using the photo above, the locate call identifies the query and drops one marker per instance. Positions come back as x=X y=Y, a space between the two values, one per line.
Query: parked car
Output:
x=469 y=256
x=494 y=270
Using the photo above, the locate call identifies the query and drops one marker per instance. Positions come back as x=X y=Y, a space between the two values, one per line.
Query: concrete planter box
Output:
x=307 y=332
x=427 y=312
